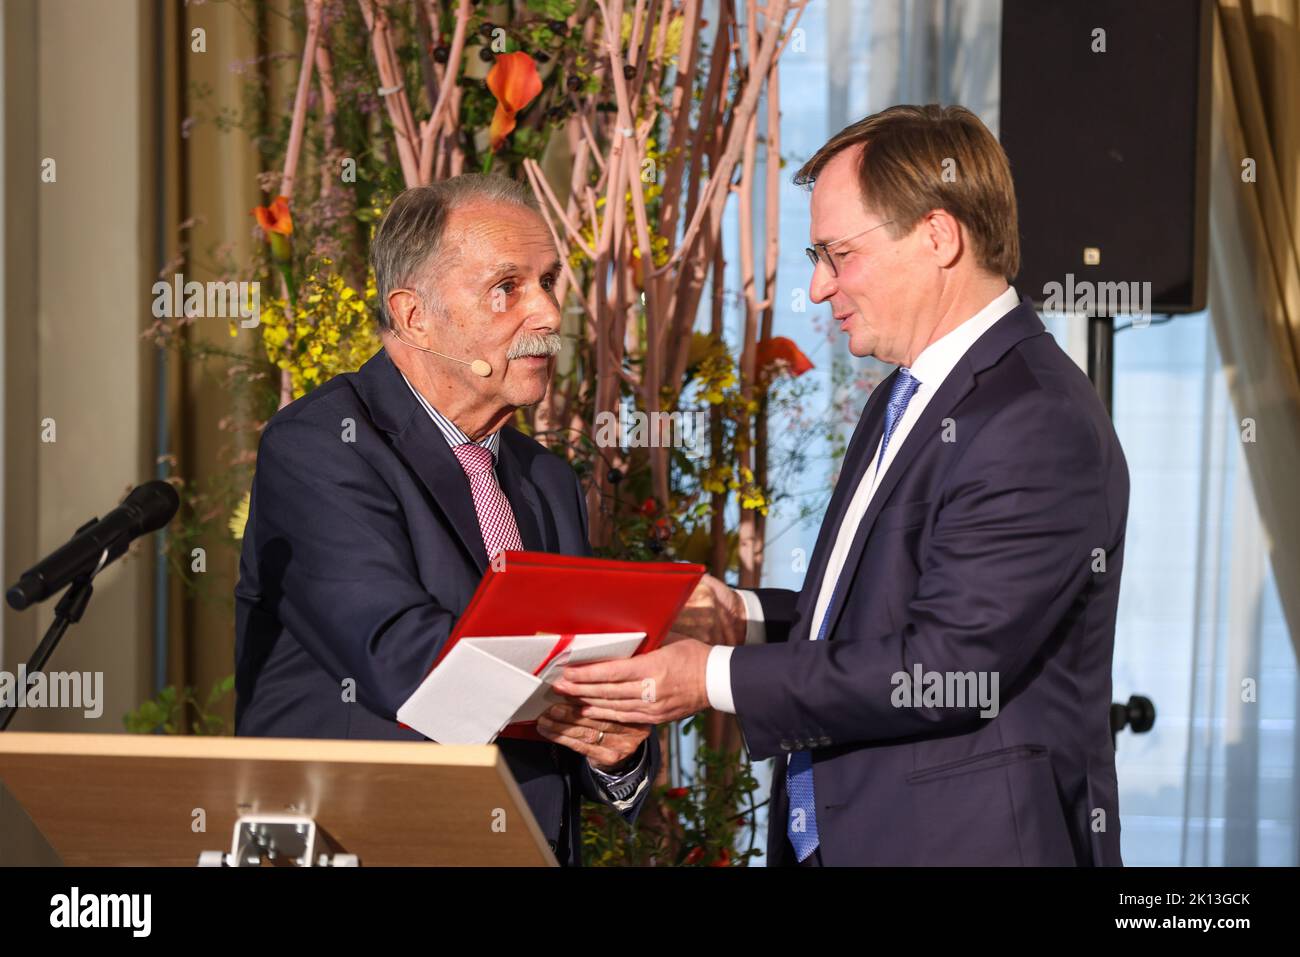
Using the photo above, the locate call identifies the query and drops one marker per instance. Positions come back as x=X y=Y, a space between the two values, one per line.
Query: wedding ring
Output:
x=600 y=736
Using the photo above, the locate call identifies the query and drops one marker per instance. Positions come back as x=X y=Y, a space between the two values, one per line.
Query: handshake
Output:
x=714 y=614
x=609 y=697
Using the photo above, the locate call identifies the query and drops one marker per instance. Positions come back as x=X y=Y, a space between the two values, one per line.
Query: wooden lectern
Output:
x=126 y=799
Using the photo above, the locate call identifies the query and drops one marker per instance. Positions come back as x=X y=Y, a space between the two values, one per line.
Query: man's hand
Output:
x=664 y=685
x=564 y=724
x=714 y=614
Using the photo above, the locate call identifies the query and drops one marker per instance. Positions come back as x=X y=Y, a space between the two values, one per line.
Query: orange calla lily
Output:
x=781 y=349
x=275 y=218
x=513 y=80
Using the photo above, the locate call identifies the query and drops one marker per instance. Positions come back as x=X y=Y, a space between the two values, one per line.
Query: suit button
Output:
x=551 y=845
x=824 y=742
x=785 y=745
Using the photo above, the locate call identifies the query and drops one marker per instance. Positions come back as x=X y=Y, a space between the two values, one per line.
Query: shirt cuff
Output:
x=717 y=678
x=623 y=789
x=756 y=624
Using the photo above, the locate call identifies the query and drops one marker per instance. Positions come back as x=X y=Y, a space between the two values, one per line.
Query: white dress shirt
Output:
x=930 y=370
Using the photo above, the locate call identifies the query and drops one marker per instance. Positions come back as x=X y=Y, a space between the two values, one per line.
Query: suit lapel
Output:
x=522 y=494
x=1015 y=326
x=857 y=458
x=417 y=440
x=430 y=457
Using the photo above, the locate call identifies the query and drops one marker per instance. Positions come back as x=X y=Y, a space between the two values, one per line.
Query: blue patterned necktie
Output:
x=801 y=826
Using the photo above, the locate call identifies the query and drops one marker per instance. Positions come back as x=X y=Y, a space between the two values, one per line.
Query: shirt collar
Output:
x=939 y=357
x=450 y=430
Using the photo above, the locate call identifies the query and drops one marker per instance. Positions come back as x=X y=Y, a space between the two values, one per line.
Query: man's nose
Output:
x=543 y=312
x=822 y=285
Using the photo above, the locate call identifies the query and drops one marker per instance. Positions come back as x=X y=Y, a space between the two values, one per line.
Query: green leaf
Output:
x=220 y=689
x=552 y=9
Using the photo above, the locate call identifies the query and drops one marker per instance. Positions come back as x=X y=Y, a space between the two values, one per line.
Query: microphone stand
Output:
x=67 y=612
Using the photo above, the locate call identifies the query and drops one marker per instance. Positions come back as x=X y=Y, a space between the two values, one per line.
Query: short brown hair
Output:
x=907 y=152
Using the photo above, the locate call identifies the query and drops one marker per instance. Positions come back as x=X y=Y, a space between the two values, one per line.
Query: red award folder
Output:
x=524 y=593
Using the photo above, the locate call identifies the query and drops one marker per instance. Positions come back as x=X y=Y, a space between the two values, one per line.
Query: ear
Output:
x=407 y=310
x=943 y=237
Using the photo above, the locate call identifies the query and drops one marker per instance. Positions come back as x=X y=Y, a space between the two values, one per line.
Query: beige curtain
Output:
x=74 y=298
x=209 y=186
x=1254 y=285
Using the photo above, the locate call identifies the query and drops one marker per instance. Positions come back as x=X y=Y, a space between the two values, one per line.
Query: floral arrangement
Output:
x=634 y=123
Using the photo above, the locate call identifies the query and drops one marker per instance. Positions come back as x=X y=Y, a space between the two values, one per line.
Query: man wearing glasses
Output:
x=938 y=691
x=819 y=253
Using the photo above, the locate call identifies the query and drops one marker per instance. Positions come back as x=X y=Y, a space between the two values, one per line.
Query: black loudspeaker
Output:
x=1109 y=150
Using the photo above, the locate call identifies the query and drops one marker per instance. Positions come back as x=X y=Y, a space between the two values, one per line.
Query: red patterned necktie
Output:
x=495 y=519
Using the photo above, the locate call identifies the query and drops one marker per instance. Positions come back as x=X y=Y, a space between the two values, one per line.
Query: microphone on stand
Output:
x=101 y=540
x=148 y=508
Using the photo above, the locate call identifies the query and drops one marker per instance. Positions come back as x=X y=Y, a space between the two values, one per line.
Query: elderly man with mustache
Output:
x=381 y=497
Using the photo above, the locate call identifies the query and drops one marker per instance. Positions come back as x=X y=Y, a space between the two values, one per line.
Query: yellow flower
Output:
x=672 y=43
x=330 y=332
x=712 y=484
x=239 y=517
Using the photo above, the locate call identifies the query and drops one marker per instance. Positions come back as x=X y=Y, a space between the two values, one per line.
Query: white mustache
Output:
x=539 y=344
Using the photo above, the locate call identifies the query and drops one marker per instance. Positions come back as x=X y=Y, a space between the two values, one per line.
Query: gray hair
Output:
x=412 y=229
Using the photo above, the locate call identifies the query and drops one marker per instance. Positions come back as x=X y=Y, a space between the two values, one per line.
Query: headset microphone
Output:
x=479 y=367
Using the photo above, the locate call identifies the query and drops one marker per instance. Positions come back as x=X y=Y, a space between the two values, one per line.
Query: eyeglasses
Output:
x=819 y=252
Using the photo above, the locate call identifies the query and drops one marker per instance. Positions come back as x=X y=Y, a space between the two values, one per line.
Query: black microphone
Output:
x=148 y=508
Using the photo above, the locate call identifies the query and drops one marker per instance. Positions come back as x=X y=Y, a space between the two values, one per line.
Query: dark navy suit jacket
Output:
x=977 y=553
x=361 y=550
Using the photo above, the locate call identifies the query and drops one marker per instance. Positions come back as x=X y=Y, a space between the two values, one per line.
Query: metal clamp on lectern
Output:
x=279 y=840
